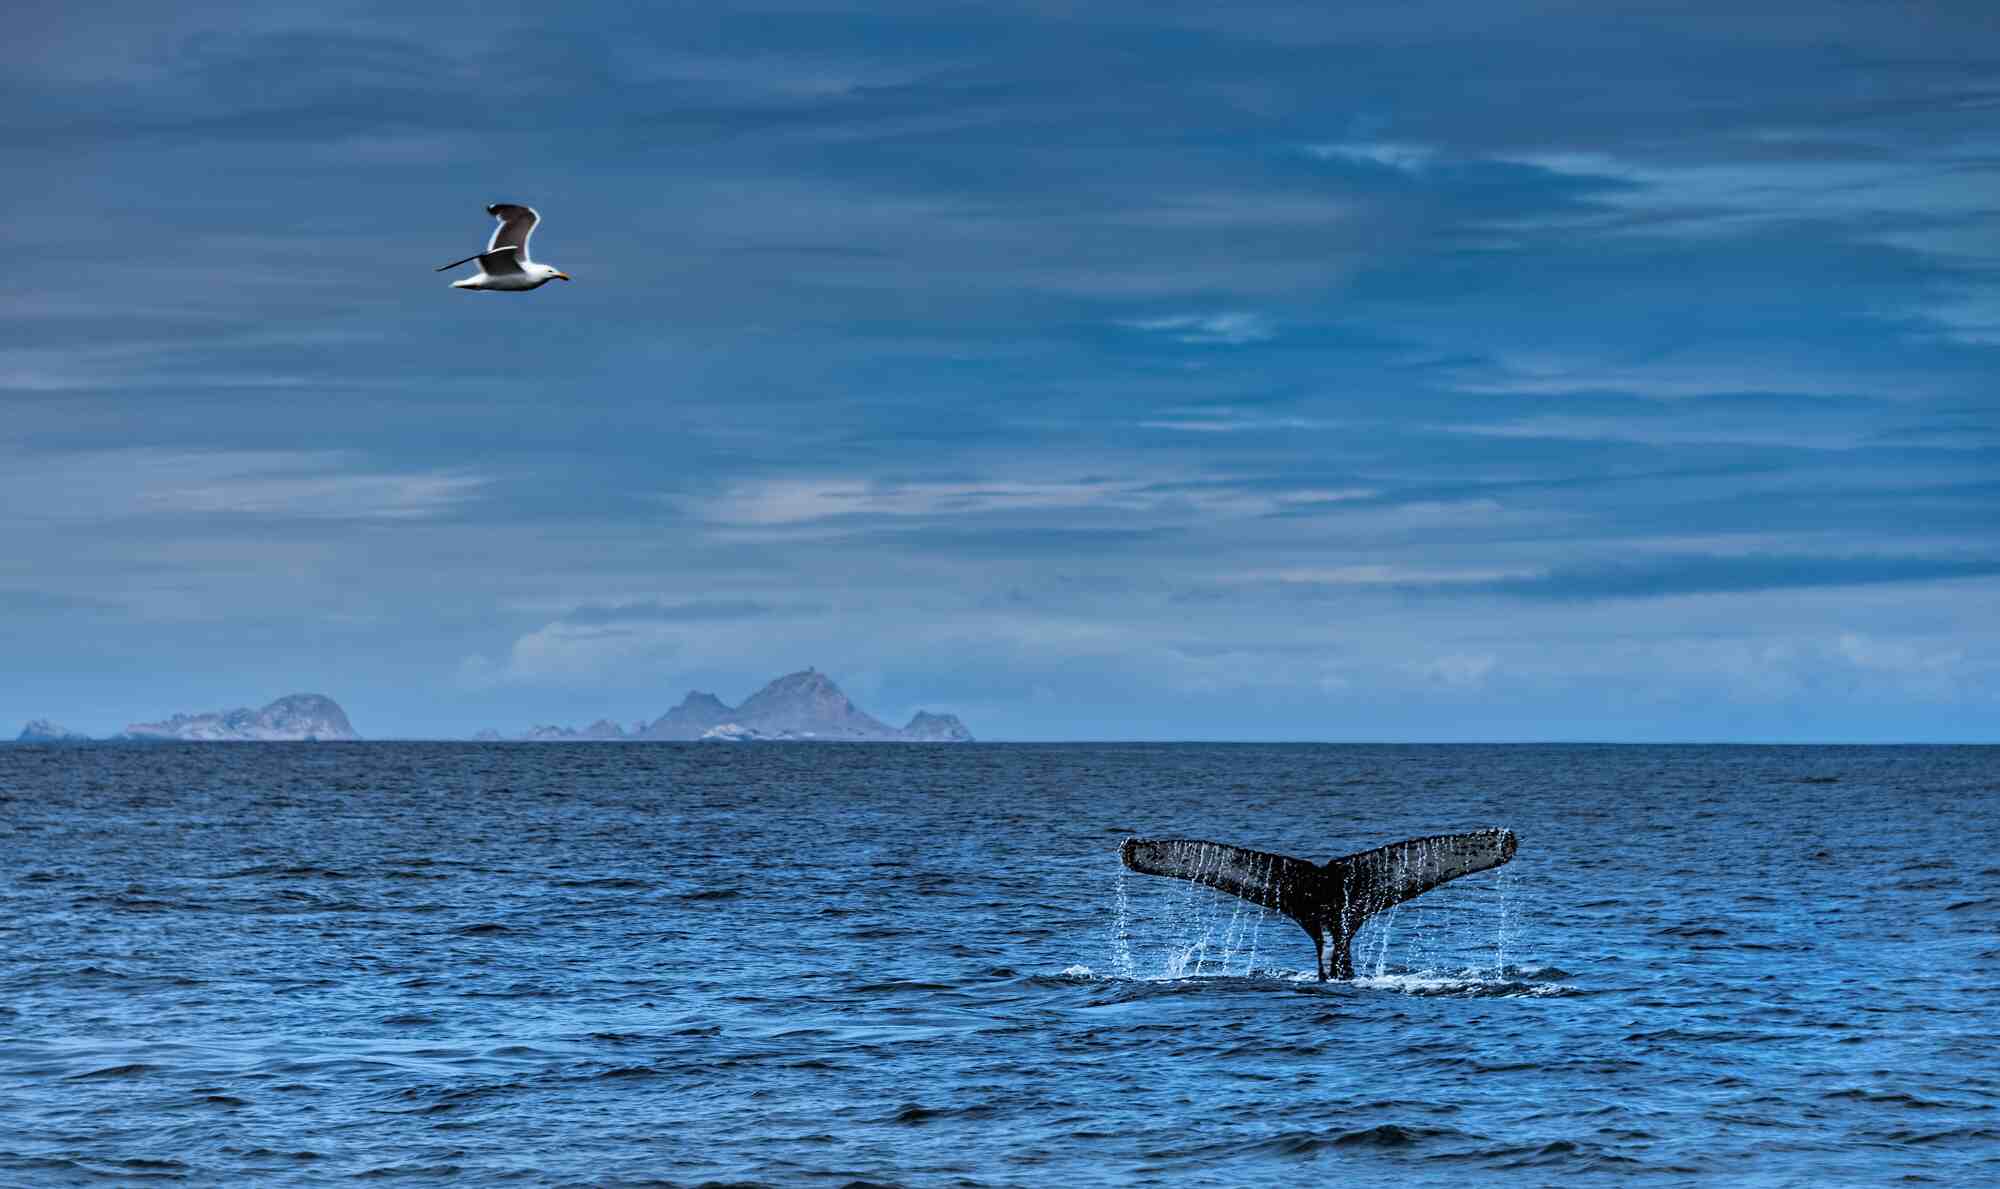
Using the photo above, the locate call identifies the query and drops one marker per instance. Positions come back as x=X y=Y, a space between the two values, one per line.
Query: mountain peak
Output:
x=697 y=713
x=809 y=704
x=804 y=679
x=805 y=705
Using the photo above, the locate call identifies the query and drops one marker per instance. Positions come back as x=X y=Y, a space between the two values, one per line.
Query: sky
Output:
x=1412 y=371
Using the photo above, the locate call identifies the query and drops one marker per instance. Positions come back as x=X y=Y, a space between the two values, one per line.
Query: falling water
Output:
x=1503 y=930
x=1420 y=863
x=1232 y=935
x=1257 y=922
x=1385 y=926
x=1121 y=930
x=1203 y=941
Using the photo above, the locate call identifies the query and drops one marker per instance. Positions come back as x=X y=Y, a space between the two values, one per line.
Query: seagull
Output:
x=505 y=264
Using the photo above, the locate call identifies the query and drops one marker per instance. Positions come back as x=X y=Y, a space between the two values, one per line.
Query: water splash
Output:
x=1204 y=938
x=1464 y=984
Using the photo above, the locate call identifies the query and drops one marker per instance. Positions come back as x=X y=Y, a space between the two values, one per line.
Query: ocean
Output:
x=800 y=964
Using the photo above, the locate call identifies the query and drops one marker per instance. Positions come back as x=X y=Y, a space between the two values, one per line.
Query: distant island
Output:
x=798 y=707
x=41 y=730
x=294 y=718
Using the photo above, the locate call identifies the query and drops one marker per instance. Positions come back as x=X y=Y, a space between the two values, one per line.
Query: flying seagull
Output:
x=505 y=264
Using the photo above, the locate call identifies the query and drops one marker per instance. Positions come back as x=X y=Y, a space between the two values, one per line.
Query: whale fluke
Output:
x=1329 y=900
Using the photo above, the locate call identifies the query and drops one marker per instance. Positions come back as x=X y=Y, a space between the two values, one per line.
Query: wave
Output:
x=286 y=870
x=1857 y=1094
x=133 y=1070
x=914 y=1114
x=1470 y=985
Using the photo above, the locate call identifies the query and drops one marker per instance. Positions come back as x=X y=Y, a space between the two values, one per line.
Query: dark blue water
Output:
x=803 y=964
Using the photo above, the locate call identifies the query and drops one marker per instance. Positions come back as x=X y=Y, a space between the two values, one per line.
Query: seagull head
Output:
x=551 y=274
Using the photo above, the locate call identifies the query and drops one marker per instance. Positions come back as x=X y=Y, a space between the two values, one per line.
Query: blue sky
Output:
x=1412 y=371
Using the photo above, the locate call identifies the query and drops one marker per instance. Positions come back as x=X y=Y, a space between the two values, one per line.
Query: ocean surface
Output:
x=924 y=965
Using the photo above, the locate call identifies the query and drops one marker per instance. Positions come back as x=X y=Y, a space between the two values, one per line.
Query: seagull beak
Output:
x=563 y=276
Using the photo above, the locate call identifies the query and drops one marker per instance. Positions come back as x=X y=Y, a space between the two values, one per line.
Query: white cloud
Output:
x=1224 y=424
x=108 y=485
x=1929 y=671
x=478 y=673
x=1373 y=575
x=798 y=501
x=561 y=653
x=1607 y=429
x=1398 y=155
x=323 y=497
x=1799 y=373
x=567 y=653
x=1459 y=670
x=783 y=503
x=1694 y=199
x=1970 y=316
x=1225 y=328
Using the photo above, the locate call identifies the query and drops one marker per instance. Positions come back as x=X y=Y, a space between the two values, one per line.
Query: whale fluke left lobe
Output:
x=1273 y=881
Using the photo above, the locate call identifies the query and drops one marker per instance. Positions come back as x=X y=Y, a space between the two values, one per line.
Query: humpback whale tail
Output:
x=1329 y=900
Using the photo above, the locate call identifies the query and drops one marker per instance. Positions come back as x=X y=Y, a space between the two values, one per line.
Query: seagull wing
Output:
x=517 y=223
x=493 y=260
x=501 y=262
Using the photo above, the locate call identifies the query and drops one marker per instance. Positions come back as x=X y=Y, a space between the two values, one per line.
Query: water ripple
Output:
x=873 y=965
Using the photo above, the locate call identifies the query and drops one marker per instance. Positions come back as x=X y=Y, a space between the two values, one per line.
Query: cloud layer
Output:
x=1416 y=371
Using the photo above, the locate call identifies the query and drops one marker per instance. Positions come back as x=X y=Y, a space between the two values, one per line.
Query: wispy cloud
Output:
x=1736 y=194
x=1227 y=328
x=141 y=483
x=1227 y=423
x=1677 y=378
x=1053 y=503
x=1377 y=575
x=1652 y=432
x=656 y=611
x=1402 y=156
x=1696 y=574
x=800 y=501
x=1459 y=670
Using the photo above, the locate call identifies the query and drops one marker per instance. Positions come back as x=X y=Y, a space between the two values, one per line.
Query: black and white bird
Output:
x=504 y=265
